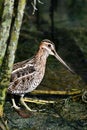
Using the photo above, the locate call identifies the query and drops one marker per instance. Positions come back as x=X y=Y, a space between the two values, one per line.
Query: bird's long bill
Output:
x=59 y=58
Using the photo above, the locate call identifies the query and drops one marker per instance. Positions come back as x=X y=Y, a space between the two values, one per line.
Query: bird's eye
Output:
x=49 y=45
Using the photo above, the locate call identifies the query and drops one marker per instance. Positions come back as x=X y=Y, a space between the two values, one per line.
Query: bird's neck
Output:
x=42 y=56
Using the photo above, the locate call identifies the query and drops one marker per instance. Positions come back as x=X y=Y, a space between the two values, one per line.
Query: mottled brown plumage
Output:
x=28 y=74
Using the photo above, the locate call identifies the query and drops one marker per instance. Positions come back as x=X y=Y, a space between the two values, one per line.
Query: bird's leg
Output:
x=14 y=104
x=24 y=104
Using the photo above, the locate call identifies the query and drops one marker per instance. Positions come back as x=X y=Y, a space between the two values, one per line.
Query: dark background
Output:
x=63 y=22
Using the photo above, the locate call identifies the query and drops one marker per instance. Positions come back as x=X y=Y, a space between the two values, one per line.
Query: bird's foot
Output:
x=26 y=106
x=41 y=110
x=14 y=105
x=31 y=110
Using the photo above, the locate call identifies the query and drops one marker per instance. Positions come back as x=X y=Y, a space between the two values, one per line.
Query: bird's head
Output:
x=49 y=47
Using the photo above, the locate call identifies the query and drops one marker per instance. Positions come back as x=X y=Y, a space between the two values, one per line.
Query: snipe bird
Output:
x=28 y=74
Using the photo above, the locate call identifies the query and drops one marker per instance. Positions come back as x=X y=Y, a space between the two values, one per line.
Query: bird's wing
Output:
x=20 y=85
x=20 y=64
x=21 y=77
x=23 y=68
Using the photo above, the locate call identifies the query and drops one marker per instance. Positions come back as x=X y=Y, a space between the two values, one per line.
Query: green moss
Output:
x=7 y=64
x=5 y=26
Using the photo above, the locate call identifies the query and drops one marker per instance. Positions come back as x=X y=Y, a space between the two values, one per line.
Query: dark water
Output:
x=63 y=115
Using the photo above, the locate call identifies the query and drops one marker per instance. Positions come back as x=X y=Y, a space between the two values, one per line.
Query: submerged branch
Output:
x=51 y=92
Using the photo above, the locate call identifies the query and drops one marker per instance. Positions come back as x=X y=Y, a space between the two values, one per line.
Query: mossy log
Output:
x=5 y=26
x=8 y=60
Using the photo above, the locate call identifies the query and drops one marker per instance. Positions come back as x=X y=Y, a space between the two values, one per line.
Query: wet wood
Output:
x=37 y=101
x=56 y=92
x=50 y=92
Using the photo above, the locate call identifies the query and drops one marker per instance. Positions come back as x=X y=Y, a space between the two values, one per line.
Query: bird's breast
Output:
x=37 y=78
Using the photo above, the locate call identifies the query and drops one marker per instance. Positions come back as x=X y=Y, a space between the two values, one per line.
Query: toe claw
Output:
x=42 y=110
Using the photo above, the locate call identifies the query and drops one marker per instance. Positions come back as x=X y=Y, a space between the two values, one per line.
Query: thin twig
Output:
x=34 y=4
x=37 y=101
